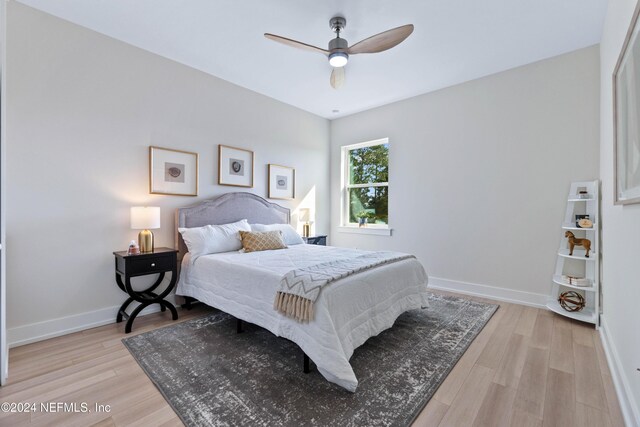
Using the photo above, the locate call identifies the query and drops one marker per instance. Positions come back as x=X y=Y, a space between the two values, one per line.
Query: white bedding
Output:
x=347 y=312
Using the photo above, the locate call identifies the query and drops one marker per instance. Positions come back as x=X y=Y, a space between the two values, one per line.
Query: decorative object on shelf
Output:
x=134 y=249
x=145 y=219
x=235 y=166
x=584 y=194
x=580 y=217
x=173 y=172
x=574 y=241
x=626 y=140
x=585 y=223
x=571 y=301
x=303 y=216
x=575 y=281
x=282 y=182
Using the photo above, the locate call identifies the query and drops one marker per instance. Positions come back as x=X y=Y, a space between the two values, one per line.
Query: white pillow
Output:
x=290 y=236
x=212 y=239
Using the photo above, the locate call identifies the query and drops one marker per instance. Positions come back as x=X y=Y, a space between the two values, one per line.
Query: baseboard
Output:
x=628 y=405
x=39 y=331
x=492 y=292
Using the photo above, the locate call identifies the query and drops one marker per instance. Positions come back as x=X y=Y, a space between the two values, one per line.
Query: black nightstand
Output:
x=160 y=261
x=316 y=240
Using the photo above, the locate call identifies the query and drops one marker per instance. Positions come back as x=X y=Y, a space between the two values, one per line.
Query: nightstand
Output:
x=160 y=261
x=316 y=240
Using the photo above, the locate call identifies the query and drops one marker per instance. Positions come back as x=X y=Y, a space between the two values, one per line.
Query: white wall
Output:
x=82 y=111
x=479 y=172
x=620 y=231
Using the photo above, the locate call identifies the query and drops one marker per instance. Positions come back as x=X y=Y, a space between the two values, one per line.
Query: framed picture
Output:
x=282 y=182
x=626 y=118
x=235 y=166
x=173 y=172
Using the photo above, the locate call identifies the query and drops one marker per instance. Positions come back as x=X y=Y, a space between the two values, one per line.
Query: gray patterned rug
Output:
x=211 y=375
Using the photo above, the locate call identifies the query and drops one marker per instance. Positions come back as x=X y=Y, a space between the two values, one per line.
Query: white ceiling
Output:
x=454 y=41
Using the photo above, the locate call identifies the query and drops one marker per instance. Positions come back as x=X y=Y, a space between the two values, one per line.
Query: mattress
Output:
x=347 y=312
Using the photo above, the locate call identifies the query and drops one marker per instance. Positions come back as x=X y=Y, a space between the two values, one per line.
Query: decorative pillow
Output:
x=212 y=239
x=289 y=234
x=253 y=241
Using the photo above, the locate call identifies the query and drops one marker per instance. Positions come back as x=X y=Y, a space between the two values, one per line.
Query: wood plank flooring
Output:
x=528 y=367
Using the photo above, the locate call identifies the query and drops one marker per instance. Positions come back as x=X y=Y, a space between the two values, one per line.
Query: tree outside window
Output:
x=367 y=187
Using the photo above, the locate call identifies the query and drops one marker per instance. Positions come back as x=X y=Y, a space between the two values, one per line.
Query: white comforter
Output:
x=347 y=312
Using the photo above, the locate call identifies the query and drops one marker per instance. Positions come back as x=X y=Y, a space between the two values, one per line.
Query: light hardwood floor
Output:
x=528 y=367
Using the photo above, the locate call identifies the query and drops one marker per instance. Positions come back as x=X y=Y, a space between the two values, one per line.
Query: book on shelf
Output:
x=575 y=280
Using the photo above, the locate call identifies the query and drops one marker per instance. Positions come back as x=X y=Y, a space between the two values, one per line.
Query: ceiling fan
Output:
x=338 y=51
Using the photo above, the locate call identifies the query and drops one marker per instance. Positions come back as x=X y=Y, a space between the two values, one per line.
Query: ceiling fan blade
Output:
x=383 y=41
x=294 y=43
x=337 y=77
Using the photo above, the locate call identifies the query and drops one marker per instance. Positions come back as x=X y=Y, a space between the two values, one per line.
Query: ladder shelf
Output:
x=577 y=264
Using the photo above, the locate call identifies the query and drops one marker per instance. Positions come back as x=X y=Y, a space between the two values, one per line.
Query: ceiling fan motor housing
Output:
x=338 y=44
x=338 y=56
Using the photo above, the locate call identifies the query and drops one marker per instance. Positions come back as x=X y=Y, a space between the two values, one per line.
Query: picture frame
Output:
x=282 y=182
x=173 y=172
x=235 y=166
x=626 y=118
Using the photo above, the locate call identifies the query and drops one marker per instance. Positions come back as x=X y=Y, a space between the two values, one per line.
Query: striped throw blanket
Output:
x=300 y=288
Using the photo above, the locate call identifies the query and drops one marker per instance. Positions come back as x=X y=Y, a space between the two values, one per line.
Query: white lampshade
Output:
x=145 y=217
x=303 y=214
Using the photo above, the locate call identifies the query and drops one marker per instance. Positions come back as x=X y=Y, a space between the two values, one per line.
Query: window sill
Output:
x=376 y=231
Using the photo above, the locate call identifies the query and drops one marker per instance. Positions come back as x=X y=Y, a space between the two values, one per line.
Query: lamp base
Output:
x=305 y=229
x=145 y=241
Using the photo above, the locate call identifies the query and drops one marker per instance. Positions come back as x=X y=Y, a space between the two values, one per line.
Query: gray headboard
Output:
x=230 y=207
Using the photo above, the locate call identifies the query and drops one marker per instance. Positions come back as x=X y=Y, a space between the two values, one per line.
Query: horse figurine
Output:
x=573 y=241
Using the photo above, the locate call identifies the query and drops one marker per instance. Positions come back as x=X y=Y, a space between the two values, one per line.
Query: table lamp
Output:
x=303 y=216
x=145 y=218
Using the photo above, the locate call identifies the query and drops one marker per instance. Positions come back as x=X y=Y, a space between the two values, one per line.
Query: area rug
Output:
x=212 y=376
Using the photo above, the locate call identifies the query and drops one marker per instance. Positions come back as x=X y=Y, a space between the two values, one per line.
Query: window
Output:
x=365 y=182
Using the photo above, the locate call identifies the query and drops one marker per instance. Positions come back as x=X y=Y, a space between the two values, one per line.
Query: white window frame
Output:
x=351 y=227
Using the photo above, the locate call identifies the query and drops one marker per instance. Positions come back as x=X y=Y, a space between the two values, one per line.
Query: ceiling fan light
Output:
x=338 y=59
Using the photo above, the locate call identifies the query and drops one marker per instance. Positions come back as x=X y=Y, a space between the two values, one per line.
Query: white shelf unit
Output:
x=585 y=315
x=572 y=227
x=578 y=264
x=577 y=253
x=558 y=280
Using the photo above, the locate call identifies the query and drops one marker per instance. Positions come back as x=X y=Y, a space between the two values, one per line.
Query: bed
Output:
x=348 y=311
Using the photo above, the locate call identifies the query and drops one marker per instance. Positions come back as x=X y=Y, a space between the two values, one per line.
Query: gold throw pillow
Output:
x=253 y=241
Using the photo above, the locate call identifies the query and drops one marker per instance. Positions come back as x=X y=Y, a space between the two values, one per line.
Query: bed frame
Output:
x=229 y=207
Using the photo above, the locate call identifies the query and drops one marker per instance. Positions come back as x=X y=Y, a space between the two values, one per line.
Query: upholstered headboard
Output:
x=230 y=207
